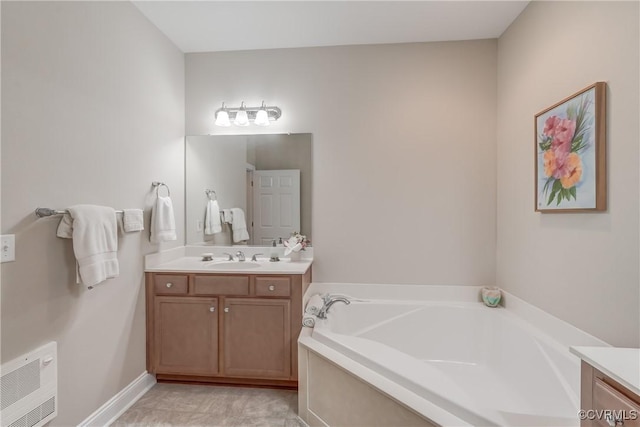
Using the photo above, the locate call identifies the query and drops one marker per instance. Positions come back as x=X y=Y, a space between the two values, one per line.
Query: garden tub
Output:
x=451 y=361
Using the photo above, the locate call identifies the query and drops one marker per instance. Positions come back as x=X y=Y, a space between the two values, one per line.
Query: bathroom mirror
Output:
x=267 y=176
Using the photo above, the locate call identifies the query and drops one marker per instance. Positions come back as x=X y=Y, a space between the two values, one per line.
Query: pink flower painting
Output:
x=566 y=151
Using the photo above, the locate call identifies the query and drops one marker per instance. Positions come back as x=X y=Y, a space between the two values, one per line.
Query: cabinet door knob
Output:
x=169 y=285
x=226 y=309
x=272 y=287
x=212 y=309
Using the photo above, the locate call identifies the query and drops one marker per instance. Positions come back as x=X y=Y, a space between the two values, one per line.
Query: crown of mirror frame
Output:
x=244 y=116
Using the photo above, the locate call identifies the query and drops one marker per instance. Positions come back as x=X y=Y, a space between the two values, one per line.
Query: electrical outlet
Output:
x=199 y=225
x=8 y=248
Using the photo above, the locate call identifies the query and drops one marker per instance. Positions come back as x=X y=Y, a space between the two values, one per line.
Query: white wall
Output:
x=92 y=112
x=582 y=268
x=403 y=150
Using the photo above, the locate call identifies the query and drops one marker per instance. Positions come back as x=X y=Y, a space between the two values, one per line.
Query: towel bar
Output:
x=43 y=212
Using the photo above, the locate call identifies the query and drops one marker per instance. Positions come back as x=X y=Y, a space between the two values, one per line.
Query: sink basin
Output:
x=234 y=265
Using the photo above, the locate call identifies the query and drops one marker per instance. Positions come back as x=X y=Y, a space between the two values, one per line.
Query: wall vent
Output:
x=29 y=388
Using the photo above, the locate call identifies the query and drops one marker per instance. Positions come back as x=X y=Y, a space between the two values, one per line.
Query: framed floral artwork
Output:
x=570 y=153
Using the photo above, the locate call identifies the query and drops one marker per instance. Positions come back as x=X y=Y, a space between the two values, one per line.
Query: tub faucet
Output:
x=329 y=300
x=240 y=256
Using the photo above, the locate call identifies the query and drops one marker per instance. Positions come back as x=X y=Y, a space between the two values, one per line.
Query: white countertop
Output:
x=196 y=265
x=621 y=364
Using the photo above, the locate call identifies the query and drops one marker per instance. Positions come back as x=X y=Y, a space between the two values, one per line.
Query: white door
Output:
x=276 y=205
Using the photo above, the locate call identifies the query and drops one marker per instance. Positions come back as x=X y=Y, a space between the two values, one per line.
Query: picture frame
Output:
x=570 y=153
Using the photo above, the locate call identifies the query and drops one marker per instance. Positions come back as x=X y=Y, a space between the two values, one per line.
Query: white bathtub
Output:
x=484 y=366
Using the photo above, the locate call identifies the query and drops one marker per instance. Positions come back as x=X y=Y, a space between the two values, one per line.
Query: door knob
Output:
x=272 y=288
x=169 y=285
x=226 y=309
x=212 y=309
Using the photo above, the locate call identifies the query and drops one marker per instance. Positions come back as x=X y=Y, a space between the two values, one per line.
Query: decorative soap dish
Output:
x=491 y=296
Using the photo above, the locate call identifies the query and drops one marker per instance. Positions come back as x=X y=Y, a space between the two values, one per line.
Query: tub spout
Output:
x=329 y=300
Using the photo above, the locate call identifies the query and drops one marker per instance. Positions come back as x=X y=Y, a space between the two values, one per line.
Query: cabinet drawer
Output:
x=606 y=397
x=273 y=286
x=221 y=285
x=170 y=284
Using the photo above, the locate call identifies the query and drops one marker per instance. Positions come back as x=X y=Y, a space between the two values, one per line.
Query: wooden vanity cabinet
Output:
x=602 y=397
x=186 y=323
x=224 y=328
x=257 y=338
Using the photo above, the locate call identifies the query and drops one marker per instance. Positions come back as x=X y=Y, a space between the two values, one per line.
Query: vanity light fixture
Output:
x=244 y=116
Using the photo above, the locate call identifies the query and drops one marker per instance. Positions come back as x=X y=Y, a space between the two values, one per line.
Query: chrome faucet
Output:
x=240 y=256
x=229 y=255
x=255 y=257
x=329 y=300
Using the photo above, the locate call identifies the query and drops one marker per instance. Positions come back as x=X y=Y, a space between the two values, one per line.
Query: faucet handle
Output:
x=254 y=257
x=228 y=254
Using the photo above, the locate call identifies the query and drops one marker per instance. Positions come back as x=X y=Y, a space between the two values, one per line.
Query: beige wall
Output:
x=92 y=112
x=403 y=150
x=582 y=268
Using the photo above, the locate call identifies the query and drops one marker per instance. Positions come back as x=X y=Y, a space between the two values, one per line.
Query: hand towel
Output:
x=163 y=223
x=308 y=320
x=239 y=226
x=291 y=245
x=226 y=216
x=65 y=228
x=212 y=224
x=94 y=231
x=314 y=305
x=132 y=220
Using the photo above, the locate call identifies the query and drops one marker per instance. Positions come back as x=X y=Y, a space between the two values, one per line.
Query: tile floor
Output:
x=202 y=405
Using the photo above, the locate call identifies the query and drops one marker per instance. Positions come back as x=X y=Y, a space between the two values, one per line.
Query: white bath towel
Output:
x=133 y=220
x=163 y=223
x=94 y=231
x=238 y=225
x=212 y=224
x=314 y=305
x=309 y=320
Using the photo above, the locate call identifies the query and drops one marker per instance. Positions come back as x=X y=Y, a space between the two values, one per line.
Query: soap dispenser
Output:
x=274 y=252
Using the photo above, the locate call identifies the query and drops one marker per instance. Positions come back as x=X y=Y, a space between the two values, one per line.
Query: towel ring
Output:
x=208 y=193
x=159 y=184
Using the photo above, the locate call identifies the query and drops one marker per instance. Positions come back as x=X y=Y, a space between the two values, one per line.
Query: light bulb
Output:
x=222 y=119
x=262 y=118
x=242 y=119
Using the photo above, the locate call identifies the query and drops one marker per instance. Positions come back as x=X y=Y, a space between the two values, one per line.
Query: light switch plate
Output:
x=8 y=248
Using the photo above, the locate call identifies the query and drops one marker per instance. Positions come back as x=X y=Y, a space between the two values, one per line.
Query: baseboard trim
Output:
x=118 y=404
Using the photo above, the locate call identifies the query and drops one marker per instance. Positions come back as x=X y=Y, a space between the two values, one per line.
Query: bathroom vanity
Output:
x=610 y=386
x=223 y=322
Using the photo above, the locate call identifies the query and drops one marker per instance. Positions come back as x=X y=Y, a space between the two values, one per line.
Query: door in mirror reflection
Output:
x=276 y=205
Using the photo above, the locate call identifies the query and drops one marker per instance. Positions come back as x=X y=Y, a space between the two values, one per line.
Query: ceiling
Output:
x=210 y=26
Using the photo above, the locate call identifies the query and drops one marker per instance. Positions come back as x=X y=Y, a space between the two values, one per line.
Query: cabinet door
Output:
x=186 y=335
x=257 y=338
